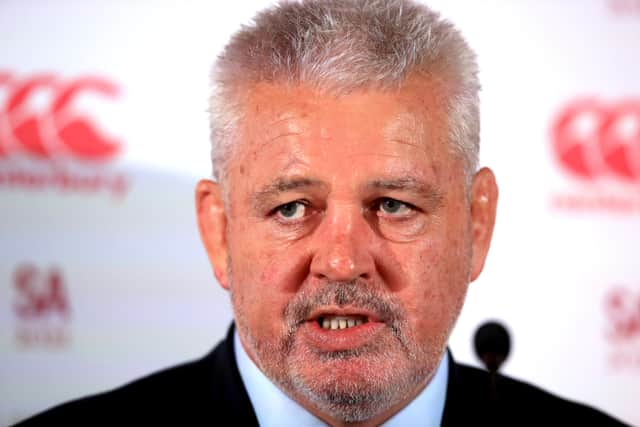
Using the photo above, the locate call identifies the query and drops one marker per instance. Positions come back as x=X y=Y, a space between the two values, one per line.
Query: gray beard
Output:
x=356 y=402
x=348 y=402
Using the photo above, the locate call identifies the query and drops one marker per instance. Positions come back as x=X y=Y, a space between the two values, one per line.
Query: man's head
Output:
x=345 y=139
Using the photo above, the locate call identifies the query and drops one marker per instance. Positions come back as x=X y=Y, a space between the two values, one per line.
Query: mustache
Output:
x=357 y=294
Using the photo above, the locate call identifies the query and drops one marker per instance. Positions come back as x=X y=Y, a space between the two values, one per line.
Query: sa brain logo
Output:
x=593 y=139
x=57 y=129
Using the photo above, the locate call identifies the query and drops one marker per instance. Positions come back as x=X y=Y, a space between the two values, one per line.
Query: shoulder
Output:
x=519 y=402
x=193 y=393
x=154 y=396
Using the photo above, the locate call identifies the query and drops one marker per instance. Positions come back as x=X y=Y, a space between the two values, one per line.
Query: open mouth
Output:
x=332 y=328
x=340 y=322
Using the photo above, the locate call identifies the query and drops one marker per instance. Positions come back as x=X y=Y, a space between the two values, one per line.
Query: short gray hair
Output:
x=338 y=46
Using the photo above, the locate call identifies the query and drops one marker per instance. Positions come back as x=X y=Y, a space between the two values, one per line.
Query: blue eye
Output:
x=394 y=207
x=291 y=210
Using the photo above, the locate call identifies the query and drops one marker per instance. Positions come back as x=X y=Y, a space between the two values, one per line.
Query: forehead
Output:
x=281 y=124
x=418 y=101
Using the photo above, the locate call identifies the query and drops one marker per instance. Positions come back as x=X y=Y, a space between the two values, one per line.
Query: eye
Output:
x=394 y=207
x=291 y=210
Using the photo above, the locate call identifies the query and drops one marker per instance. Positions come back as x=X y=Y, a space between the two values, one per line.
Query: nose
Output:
x=343 y=248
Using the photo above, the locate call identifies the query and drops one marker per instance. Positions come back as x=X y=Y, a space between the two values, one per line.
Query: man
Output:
x=347 y=220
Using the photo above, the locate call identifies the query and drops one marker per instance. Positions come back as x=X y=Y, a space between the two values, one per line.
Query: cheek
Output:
x=266 y=276
x=248 y=252
x=437 y=283
x=273 y=267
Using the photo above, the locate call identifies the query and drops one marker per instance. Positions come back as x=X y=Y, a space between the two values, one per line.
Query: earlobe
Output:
x=212 y=224
x=484 y=201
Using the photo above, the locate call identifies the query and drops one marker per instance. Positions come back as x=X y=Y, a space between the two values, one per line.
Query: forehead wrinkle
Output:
x=287 y=116
x=406 y=128
x=410 y=143
x=285 y=124
x=276 y=137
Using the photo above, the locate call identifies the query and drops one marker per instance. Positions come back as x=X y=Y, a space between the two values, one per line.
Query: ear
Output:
x=484 y=200
x=212 y=223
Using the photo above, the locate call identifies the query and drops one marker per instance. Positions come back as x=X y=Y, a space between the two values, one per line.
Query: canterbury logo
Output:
x=592 y=139
x=57 y=129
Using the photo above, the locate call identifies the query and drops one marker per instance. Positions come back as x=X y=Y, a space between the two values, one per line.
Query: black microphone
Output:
x=492 y=344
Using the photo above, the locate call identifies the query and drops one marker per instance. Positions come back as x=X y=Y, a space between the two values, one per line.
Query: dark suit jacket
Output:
x=210 y=392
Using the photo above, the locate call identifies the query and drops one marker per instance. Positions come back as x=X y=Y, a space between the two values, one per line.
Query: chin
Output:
x=354 y=386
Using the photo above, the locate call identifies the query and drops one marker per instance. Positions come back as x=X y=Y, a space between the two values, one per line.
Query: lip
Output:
x=329 y=340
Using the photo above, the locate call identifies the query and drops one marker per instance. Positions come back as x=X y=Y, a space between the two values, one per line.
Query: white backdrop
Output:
x=103 y=135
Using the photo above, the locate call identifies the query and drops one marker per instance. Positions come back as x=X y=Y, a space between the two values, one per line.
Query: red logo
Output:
x=622 y=312
x=42 y=307
x=593 y=139
x=624 y=7
x=41 y=119
x=599 y=144
x=622 y=307
x=39 y=294
x=57 y=129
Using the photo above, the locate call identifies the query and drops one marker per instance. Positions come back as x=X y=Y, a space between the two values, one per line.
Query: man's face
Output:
x=347 y=242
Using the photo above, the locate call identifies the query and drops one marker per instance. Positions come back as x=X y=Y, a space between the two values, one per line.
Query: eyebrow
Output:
x=428 y=192
x=432 y=194
x=279 y=186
